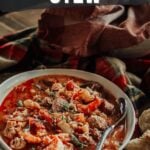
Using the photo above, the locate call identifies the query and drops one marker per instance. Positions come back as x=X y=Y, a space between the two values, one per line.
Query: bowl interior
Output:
x=9 y=84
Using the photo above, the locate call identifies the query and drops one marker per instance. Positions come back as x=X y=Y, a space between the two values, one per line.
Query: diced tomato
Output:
x=76 y=95
x=79 y=130
x=95 y=104
x=87 y=109
x=79 y=117
x=70 y=86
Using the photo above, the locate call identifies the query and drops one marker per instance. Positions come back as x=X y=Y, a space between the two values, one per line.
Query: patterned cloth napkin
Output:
x=112 y=41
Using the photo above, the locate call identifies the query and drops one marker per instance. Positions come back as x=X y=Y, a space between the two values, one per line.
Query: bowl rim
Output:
x=10 y=83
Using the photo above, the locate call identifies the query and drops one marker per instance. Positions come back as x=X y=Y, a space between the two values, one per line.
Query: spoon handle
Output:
x=103 y=138
x=123 y=110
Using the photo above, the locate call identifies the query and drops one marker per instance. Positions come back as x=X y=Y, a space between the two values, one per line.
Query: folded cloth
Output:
x=13 y=48
x=86 y=31
x=96 y=39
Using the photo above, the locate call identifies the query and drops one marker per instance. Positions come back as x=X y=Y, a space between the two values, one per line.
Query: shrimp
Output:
x=55 y=144
x=46 y=140
x=86 y=96
x=20 y=125
x=65 y=127
x=20 y=114
x=30 y=138
x=17 y=143
x=79 y=117
x=31 y=104
x=56 y=86
x=36 y=123
x=41 y=131
x=12 y=128
x=11 y=123
x=45 y=115
x=65 y=137
x=89 y=108
x=9 y=130
x=68 y=146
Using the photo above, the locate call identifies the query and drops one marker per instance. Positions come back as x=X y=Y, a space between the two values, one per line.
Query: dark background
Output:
x=15 y=5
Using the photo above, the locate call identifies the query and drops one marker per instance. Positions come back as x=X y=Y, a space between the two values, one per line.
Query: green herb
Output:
x=52 y=94
x=76 y=141
x=63 y=117
x=20 y=103
x=65 y=106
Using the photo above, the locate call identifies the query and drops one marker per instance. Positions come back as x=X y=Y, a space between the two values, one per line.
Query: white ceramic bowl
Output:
x=9 y=84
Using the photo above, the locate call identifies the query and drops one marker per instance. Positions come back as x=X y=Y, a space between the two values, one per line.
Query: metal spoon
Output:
x=123 y=110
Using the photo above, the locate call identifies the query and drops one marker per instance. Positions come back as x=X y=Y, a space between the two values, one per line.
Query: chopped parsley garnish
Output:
x=76 y=141
x=63 y=117
x=52 y=94
x=20 y=103
x=65 y=106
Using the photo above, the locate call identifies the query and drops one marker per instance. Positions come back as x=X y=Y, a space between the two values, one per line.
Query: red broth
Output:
x=59 y=113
